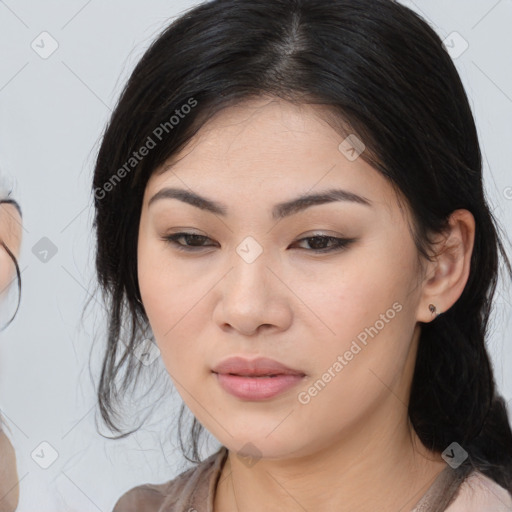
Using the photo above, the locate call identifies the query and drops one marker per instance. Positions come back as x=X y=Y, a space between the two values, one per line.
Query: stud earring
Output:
x=433 y=309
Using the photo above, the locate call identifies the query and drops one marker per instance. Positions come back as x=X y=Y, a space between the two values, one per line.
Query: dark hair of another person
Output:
x=379 y=71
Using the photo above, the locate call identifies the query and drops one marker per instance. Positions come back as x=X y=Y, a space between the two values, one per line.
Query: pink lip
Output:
x=250 y=379
x=258 y=366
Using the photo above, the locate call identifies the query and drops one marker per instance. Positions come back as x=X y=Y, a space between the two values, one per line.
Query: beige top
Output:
x=9 y=489
x=461 y=489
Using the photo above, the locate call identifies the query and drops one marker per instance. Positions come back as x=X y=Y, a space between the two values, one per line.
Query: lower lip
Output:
x=257 y=388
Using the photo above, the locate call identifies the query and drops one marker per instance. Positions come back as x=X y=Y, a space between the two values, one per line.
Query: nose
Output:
x=253 y=298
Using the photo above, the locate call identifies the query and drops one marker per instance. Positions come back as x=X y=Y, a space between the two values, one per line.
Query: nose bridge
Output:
x=250 y=292
x=250 y=272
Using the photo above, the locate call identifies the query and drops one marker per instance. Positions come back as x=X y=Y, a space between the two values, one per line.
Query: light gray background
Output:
x=52 y=113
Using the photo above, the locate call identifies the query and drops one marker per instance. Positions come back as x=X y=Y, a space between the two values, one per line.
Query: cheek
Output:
x=354 y=294
x=171 y=299
x=366 y=309
x=355 y=368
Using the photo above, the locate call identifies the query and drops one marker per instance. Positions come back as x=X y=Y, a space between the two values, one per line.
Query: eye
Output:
x=188 y=237
x=318 y=242
x=193 y=242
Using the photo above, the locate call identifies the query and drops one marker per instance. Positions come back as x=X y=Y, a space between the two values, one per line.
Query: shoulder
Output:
x=176 y=493
x=478 y=493
x=144 y=497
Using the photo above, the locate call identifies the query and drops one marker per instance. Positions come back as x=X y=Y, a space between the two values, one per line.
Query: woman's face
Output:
x=254 y=286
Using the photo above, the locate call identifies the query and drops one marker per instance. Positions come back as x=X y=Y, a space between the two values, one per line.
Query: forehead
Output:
x=272 y=148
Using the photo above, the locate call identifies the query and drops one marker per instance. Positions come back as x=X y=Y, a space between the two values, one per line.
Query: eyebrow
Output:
x=279 y=211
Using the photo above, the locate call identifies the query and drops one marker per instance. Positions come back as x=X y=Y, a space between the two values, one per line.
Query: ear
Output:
x=447 y=275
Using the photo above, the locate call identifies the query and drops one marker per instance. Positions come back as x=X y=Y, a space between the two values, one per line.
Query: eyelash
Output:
x=339 y=243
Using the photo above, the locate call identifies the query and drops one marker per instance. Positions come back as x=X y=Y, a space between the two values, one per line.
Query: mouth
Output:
x=259 y=367
x=257 y=387
x=252 y=376
x=257 y=379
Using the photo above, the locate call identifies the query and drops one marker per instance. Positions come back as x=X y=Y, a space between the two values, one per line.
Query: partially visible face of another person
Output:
x=206 y=301
x=10 y=235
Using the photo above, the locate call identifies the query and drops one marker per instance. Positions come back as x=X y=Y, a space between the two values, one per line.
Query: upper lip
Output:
x=258 y=366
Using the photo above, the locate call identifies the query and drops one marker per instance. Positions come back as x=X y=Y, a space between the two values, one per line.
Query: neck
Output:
x=365 y=470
